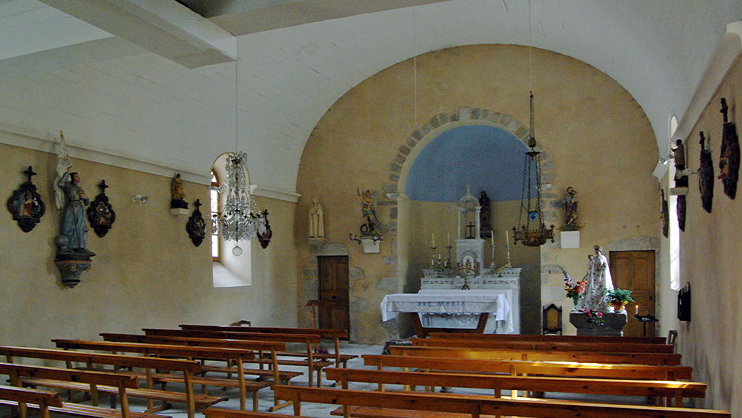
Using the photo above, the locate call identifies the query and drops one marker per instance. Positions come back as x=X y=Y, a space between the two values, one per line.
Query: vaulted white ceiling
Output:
x=152 y=80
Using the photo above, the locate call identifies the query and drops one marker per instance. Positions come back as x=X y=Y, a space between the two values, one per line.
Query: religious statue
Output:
x=570 y=210
x=26 y=205
x=729 y=156
x=74 y=227
x=485 y=215
x=369 y=212
x=316 y=220
x=706 y=175
x=598 y=280
x=176 y=189
x=73 y=257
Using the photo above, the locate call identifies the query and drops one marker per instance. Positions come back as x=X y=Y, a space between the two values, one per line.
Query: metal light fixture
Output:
x=240 y=218
x=532 y=232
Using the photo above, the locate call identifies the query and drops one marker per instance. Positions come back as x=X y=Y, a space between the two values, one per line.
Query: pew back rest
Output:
x=548 y=368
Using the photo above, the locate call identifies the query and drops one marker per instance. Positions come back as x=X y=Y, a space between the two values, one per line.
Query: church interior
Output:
x=359 y=132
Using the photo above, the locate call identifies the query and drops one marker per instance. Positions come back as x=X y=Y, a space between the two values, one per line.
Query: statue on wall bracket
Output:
x=729 y=160
x=570 y=210
x=25 y=204
x=100 y=213
x=178 y=196
x=485 y=215
x=664 y=215
x=706 y=175
x=196 y=226
x=73 y=257
x=265 y=237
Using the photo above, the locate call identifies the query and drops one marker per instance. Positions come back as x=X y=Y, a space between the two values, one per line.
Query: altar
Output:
x=460 y=295
x=451 y=310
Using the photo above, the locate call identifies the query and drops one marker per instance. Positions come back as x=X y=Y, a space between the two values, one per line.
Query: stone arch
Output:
x=419 y=138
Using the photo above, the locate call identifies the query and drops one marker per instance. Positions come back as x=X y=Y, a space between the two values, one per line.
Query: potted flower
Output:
x=618 y=298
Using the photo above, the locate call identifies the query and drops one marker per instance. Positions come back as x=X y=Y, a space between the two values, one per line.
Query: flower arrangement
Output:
x=594 y=317
x=573 y=289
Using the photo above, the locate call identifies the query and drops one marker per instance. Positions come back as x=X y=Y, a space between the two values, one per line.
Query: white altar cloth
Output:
x=458 y=306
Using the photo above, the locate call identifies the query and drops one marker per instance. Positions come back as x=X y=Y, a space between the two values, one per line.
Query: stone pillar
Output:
x=613 y=323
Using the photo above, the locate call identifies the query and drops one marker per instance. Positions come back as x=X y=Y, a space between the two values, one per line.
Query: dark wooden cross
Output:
x=724 y=109
x=197 y=204
x=470 y=230
x=29 y=173
x=103 y=186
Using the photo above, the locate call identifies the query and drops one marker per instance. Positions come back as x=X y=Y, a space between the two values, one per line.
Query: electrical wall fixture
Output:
x=140 y=199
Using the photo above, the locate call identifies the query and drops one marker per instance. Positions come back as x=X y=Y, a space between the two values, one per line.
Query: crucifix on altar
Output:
x=469 y=245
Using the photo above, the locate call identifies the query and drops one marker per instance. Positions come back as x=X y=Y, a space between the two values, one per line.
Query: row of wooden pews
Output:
x=595 y=366
x=158 y=358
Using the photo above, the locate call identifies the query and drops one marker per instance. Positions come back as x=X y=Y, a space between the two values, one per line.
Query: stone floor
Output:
x=322 y=410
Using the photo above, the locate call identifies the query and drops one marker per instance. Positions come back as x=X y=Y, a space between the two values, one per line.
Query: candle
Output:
x=448 y=239
x=432 y=237
x=492 y=235
x=507 y=237
x=637 y=309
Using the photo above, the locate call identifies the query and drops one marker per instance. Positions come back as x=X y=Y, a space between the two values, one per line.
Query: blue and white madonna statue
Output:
x=598 y=279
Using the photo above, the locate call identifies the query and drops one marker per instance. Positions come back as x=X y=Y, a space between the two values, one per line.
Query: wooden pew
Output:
x=91 y=361
x=551 y=338
x=545 y=368
x=432 y=405
x=308 y=340
x=40 y=399
x=543 y=345
x=94 y=382
x=669 y=359
x=673 y=390
x=331 y=334
x=271 y=347
x=236 y=356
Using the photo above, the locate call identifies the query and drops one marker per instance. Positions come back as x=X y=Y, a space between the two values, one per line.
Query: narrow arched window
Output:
x=214 y=210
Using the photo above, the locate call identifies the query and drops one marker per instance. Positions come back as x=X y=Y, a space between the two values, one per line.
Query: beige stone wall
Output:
x=147 y=273
x=710 y=245
x=593 y=134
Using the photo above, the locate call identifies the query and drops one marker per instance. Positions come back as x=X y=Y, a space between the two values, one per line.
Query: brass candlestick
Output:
x=448 y=257
x=432 y=256
x=492 y=264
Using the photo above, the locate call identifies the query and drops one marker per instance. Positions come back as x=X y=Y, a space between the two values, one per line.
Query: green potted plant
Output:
x=618 y=298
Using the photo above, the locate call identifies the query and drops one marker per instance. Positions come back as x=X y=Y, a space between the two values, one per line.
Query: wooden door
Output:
x=634 y=270
x=334 y=309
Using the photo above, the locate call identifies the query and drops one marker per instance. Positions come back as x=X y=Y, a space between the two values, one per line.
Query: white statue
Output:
x=316 y=221
x=598 y=279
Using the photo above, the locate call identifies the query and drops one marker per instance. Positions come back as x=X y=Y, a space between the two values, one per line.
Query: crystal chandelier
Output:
x=532 y=232
x=240 y=218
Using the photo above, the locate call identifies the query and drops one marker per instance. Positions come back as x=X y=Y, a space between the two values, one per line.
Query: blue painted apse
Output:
x=484 y=157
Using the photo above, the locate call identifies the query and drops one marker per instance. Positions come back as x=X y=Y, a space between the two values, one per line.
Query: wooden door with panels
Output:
x=635 y=270
x=334 y=311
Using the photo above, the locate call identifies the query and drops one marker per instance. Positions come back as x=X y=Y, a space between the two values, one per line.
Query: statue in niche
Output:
x=372 y=226
x=265 y=237
x=178 y=196
x=570 y=210
x=729 y=159
x=706 y=175
x=26 y=205
x=598 y=280
x=196 y=226
x=100 y=212
x=485 y=216
x=316 y=220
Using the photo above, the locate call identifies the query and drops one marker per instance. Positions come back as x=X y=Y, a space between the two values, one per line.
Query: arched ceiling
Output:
x=296 y=58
